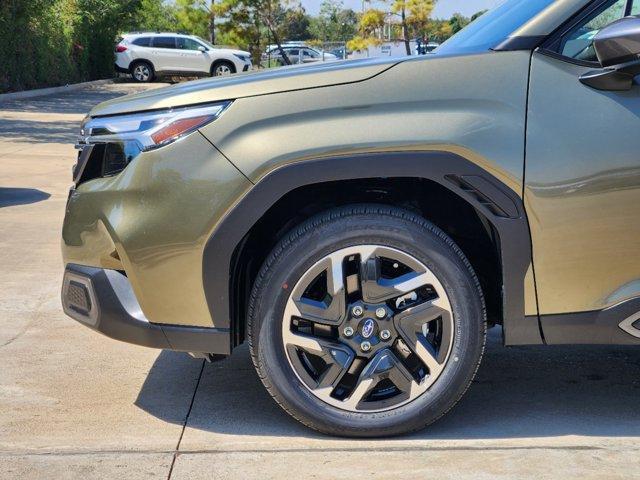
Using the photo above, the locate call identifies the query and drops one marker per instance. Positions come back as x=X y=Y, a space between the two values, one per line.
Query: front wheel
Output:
x=366 y=321
x=222 y=68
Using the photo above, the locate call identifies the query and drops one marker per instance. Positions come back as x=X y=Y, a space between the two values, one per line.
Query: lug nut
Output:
x=357 y=311
x=385 y=334
x=365 y=346
x=348 y=332
x=381 y=312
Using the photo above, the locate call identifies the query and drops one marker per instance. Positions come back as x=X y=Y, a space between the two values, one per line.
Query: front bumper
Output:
x=103 y=300
x=152 y=221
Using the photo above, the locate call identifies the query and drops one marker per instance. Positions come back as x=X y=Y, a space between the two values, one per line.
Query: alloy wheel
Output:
x=368 y=328
x=222 y=70
x=142 y=73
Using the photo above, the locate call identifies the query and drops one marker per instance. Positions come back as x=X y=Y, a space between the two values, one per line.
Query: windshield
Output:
x=208 y=44
x=490 y=29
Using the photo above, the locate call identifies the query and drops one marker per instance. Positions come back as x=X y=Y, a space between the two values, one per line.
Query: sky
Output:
x=444 y=8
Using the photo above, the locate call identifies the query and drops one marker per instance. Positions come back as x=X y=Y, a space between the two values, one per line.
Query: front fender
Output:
x=502 y=207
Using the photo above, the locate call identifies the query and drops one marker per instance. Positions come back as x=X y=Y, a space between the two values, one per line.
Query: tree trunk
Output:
x=405 y=31
x=276 y=38
x=212 y=24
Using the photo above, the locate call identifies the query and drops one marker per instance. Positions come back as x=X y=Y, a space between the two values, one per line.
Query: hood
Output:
x=232 y=51
x=247 y=85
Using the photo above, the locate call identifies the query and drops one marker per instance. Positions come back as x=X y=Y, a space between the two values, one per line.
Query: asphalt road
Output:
x=74 y=404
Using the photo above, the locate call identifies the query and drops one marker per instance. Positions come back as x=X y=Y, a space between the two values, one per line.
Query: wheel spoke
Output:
x=384 y=365
x=336 y=356
x=376 y=289
x=330 y=310
x=409 y=324
x=323 y=332
x=306 y=342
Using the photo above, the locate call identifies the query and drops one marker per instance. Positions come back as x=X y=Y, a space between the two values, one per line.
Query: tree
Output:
x=296 y=24
x=413 y=15
x=437 y=30
x=458 y=22
x=334 y=22
x=97 y=24
x=244 y=20
x=193 y=17
x=157 y=15
x=371 y=22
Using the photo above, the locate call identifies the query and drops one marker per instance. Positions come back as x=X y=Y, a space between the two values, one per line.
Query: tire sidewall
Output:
x=424 y=242
x=220 y=63
x=149 y=66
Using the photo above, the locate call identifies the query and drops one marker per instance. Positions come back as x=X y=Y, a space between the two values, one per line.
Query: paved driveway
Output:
x=74 y=404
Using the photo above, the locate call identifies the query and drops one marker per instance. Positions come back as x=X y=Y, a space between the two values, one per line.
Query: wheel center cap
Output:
x=368 y=326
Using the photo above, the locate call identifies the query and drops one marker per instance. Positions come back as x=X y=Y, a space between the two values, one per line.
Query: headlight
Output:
x=108 y=144
x=241 y=57
x=151 y=129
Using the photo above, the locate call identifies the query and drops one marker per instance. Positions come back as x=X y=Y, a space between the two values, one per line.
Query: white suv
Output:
x=147 y=55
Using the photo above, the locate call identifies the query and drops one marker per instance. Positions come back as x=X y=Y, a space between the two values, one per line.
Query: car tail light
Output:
x=121 y=48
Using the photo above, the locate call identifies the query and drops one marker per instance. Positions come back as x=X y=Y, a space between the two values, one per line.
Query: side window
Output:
x=164 y=42
x=577 y=43
x=311 y=54
x=188 y=44
x=294 y=52
x=142 y=41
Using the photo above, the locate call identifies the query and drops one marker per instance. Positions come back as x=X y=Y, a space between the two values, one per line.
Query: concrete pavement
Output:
x=74 y=404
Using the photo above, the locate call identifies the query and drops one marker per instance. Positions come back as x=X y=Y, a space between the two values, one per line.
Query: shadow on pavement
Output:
x=518 y=392
x=40 y=132
x=10 y=197
x=78 y=101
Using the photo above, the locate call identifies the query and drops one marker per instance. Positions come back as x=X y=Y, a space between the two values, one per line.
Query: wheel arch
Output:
x=141 y=60
x=218 y=61
x=499 y=205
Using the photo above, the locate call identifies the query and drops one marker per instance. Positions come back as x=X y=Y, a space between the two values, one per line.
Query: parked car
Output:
x=341 y=53
x=148 y=55
x=361 y=224
x=298 y=55
x=422 y=48
x=293 y=43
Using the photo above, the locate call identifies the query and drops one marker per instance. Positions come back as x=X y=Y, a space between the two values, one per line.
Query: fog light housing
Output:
x=78 y=298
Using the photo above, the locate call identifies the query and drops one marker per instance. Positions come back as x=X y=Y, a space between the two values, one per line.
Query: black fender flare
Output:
x=503 y=208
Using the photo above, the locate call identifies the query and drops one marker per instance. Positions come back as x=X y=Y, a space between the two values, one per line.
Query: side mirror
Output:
x=617 y=47
x=202 y=49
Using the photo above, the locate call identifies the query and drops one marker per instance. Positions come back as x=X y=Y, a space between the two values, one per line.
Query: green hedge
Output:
x=55 y=42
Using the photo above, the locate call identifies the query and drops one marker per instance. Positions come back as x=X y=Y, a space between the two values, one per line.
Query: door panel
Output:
x=190 y=58
x=165 y=55
x=582 y=189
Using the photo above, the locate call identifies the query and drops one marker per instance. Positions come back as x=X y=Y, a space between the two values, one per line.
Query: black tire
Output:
x=142 y=71
x=222 y=64
x=346 y=227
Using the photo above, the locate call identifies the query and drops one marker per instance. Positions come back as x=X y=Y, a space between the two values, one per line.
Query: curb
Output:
x=41 y=92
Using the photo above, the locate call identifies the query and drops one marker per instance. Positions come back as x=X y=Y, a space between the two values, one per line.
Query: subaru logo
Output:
x=367 y=328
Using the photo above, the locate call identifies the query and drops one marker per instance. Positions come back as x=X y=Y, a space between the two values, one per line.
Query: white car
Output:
x=147 y=55
x=299 y=54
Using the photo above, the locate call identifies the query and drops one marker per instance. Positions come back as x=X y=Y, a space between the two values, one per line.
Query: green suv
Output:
x=361 y=224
